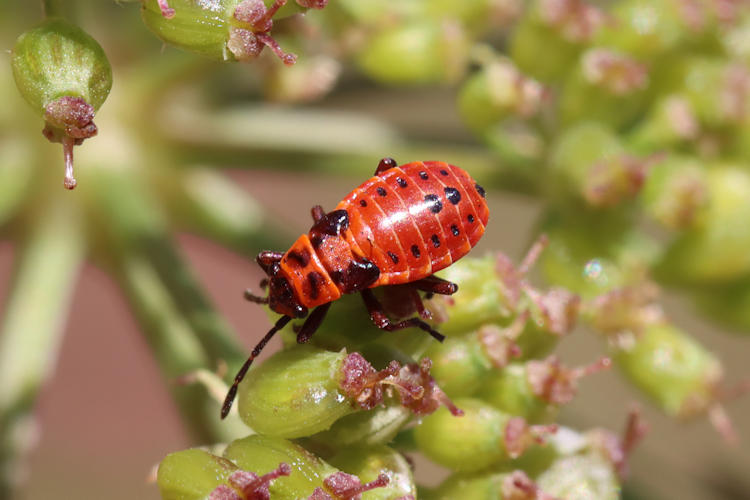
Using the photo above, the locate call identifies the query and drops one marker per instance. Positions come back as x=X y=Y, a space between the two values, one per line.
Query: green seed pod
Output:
x=460 y=364
x=515 y=485
x=294 y=393
x=65 y=76
x=261 y=453
x=581 y=477
x=498 y=90
x=606 y=86
x=591 y=253
x=676 y=192
x=670 y=123
x=535 y=390
x=591 y=162
x=378 y=426
x=715 y=251
x=192 y=474
x=483 y=436
x=551 y=35
x=416 y=54
x=368 y=463
x=301 y=391
x=646 y=29
x=228 y=30
x=677 y=373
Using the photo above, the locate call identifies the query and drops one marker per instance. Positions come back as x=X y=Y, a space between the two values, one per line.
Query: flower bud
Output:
x=262 y=453
x=548 y=39
x=459 y=364
x=416 y=53
x=515 y=485
x=197 y=474
x=606 y=86
x=483 y=436
x=536 y=389
x=377 y=426
x=580 y=477
x=65 y=76
x=368 y=463
x=497 y=91
x=301 y=391
x=670 y=122
x=676 y=192
x=715 y=251
x=226 y=29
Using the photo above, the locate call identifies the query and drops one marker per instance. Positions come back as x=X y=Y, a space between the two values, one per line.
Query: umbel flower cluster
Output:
x=629 y=122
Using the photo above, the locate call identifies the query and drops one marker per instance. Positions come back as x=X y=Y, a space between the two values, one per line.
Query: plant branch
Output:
x=32 y=326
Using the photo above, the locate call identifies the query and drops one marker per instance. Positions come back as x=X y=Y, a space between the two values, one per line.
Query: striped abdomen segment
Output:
x=416 y=219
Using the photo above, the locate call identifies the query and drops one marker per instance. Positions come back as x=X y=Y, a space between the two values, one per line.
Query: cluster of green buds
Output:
x=482 y=404
x=65 y=76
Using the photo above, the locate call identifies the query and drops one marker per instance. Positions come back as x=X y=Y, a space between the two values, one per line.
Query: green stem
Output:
x=53 y=8
x=33 y=325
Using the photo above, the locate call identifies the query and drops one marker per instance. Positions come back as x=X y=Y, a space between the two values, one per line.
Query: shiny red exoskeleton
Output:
x=397 y=228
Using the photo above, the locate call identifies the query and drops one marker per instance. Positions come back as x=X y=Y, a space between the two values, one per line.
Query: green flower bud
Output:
x=301 y=391
x=716 y=250
x=591 y=253
x=65 y=76
x=226 y=29
x=497 y=91
x=483 y=436
x=368 y=463
x=460 y=364
x=308 y=80
x=416 y=53
x=606 y=86
x=377 y=426
x=536 y=389
x=192 y=474
x=581 y=477
x=260 y=453
x=294 y=393
x=198 y=475
x=515 y=485
x=676 y=372
x=550 y=36
x=676 y=192
x=590 y=161
x=670 y=122
x=645 y=28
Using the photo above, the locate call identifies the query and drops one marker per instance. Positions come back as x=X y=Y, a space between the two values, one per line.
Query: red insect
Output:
x=398 y=228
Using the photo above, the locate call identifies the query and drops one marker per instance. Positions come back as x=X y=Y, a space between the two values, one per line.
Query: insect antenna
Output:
x=281 y=323
x=255 y=298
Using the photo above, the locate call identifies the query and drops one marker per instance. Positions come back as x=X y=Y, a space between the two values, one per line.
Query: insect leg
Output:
x=433 y=284
x=317 y=213
x=380 y=319
x=281 y=323
x=255 y=298
x=311 y=324
x=423 y=313
x=385 y=164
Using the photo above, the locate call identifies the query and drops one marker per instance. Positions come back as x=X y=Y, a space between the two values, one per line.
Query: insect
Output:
x=397 y=228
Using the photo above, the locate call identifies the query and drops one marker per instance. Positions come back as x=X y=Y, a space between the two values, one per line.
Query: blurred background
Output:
x=200 y=164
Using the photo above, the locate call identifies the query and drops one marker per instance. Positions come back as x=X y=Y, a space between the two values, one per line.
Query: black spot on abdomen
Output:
x=480 y=190
x=315 y=279
x=393 y=257
x=455 y=230
x=434 y=203
x=453 y=195
x=382 y=191
x=415 y=251
x=362 y=203
x=401 y=182
x=435 y=240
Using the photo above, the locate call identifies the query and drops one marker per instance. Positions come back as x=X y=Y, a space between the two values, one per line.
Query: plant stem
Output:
x=31 y=330
x=53 y=8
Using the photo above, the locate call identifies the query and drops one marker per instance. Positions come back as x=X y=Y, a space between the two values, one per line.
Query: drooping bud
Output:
x=483 y=436
x=193 y=474
x=65 y=76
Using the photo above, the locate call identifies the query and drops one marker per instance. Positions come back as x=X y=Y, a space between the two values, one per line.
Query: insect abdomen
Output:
x=416 y=219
